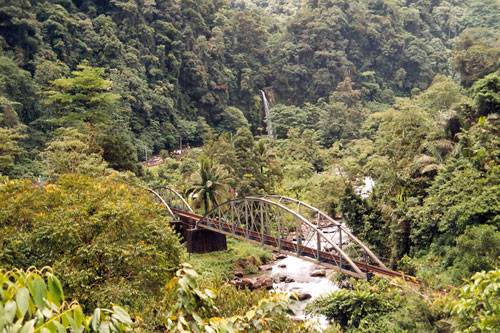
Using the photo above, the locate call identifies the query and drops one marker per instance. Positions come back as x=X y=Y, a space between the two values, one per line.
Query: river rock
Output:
x=280 y=256
x=282 y=266
x=263 y=282
x=238 y=274
x=242 y=283
x=289 y=280
x=319 y=272
x=265 y=268
x=283 y=278
x=301 y=296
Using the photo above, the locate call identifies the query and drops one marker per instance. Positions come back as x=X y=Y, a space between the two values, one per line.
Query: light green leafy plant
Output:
x=33 y=301
x=477 y=308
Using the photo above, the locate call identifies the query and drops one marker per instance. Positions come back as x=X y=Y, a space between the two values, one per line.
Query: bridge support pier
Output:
x=204 y=241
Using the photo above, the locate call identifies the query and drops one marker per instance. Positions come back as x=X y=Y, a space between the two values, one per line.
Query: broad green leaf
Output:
x=39 y=292
x=59 y=326
x=55 y=290
x=10 y=311
x=23 y=300
x=104 y=327
x=28 y=327
x=122 y=314
x=78 y=315
x=95 y=319
x=250 y=314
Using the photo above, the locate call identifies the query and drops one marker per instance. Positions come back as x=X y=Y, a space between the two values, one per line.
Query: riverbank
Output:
x=239 y=256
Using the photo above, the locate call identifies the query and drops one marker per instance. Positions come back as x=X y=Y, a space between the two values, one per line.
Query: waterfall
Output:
x=269 y=124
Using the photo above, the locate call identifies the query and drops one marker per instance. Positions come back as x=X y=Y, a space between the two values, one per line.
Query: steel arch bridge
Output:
x=285 y=225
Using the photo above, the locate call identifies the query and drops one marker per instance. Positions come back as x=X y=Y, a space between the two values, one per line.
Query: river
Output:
x=299 y=270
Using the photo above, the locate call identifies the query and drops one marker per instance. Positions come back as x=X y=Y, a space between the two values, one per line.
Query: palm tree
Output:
x=209 y=186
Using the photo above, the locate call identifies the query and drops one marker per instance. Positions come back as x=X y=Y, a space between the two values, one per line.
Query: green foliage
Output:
x=486 y=94
x=474 y=58
x=382 y=306
x=465 y=191
x=10 y=134
x=209 y=186
x=109 y=243
x=253 y=166
x=192 y=305
x=82 y=98
x=33 y=301
x=477 y=308
x=222 y=263
x=18 y=86
x=284 y=118
x=365 y=221
x=72 y=152
x=473 y=252
x=232 y=119
x=361 y=306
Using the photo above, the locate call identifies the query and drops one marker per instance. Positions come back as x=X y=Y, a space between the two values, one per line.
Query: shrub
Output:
x=106 y=239
x=33 y=301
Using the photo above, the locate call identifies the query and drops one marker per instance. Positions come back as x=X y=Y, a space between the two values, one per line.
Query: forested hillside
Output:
x=402 y=93
x=181 y=67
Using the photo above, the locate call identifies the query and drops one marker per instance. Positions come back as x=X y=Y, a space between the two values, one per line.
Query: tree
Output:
x=9 y=134
x=18 y=86
x=72 y=152
x=232 y=119
x=82 y=98
x=486 y=94
x=106 y=239
x=285 y=117
x=209 y=185
x=474 y=58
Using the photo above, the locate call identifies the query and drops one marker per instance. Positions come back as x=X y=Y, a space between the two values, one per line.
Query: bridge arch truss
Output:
x=171 y=199
x=269 y=222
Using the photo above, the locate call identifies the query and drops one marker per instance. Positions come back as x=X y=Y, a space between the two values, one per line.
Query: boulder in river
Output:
x=242 y=283
x=301 y=296
x=289 y=280
x=263 y=282
x=238 y=274
x=265 y=268
x=280 y=256
x=282 y=266
x=317 y=273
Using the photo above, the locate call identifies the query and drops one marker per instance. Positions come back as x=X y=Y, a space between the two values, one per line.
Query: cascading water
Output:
x=269 y=124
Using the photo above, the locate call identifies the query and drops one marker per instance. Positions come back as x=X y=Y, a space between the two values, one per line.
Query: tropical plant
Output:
x=477 y=308
x=209 y=185
x=33 y=301
x=364 y=303
x=83 y=98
